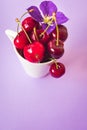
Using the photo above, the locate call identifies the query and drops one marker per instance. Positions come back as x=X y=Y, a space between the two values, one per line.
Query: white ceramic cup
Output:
x=35 y=70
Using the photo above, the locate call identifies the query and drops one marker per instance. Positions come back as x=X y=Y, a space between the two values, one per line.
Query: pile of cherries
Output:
x=37 y=46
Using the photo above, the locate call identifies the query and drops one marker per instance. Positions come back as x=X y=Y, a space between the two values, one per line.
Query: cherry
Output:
x=38 y=35
x=20 y=51
x=57 y=69
x=55 y=51
x=34 y=52
x=46 y=58
x=20 y=40
x=29 y=23
x=63 y=34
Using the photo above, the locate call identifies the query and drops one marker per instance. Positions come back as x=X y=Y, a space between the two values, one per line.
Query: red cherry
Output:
x=57 y=69
x=46 y=57
x=20 y=40
x=20 y=51
x=29 y=23
x=42 y=38
x=55 y=51
x=63 y=33
x=34 y=52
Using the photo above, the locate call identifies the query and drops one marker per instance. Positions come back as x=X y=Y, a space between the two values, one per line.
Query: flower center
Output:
x=48 y=20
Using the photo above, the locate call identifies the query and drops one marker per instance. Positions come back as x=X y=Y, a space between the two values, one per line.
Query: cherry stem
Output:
x=44 y=31
x=55 y=61
x=19 y=23
x=57 y=30
x=46 y=28
x=31 y=10
x=35 y=33
x=23 y=15
x=20 y=20
x=56 y=64
x=57 y=39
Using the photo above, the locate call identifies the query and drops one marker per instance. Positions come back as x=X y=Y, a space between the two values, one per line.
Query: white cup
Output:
x=35 y=70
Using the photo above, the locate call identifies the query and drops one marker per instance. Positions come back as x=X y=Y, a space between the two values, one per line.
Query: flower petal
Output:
x=48 y=8
x=35 y=13
x=61 y=18
x=50 y=29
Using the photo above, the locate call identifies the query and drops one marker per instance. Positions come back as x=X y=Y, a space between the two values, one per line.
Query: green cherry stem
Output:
x=19 y=24
x=23 y=15
x=31 y=10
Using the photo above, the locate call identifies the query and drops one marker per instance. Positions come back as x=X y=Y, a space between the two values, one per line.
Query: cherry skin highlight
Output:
x=37 y=36
x=55 y=51
x=34 y=52
x=21 y=40
x=57 y=70
x=63 y=33
x=29 y=23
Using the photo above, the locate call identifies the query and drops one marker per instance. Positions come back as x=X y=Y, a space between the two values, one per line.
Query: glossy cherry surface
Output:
x=57 y=69
x=29 y=23
x=63 y=33
x=38 y=36
x=34 y=52
x=55 y=51
x=21 y=40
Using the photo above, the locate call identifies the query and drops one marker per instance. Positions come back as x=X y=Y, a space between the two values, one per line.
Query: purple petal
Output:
x=48 y=8
x=50 y=29
x=35 y=13
x=61 y=18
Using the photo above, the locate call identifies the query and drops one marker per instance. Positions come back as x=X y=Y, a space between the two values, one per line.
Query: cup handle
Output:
x=10 y=34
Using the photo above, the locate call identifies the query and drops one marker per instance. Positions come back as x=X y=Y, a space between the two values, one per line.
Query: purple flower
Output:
x=50 y=17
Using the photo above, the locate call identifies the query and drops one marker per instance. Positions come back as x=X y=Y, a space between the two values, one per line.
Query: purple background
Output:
x=47 y=103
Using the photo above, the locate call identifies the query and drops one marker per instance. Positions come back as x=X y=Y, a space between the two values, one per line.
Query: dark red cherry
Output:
x=29 y=23
x=63 y=33
x=46 y=58
x=34 y=52
x=37 y=36
x=21 y=40
x=57 y=69
x=20 y=51
x=55 y=51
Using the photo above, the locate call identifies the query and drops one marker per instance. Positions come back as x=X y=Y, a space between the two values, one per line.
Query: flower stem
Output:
x=19 y=24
